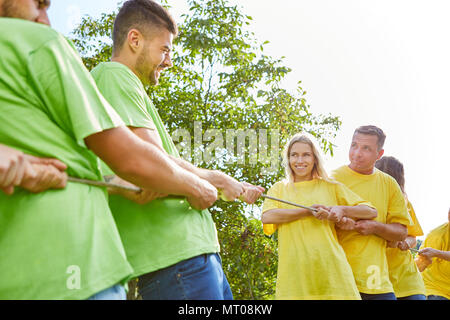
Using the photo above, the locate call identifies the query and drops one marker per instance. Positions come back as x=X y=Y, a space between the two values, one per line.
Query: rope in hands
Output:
x=137 y=189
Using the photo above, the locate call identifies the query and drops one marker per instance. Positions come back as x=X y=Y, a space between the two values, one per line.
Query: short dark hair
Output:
x=141 y=15
x=373 y=131
x=394 y=168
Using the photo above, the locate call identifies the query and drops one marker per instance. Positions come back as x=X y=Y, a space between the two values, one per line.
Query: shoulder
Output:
x=278 y=186
x=389 y=181
x=112 y=71
x=439 y=232
x=329 y=183
x=384 y=176
x=19 y=26
x=26 y=35
x=339 y=172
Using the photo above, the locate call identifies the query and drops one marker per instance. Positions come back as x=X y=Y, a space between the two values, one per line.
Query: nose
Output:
x=168 y=61
x=357 y=152
x=43 y=17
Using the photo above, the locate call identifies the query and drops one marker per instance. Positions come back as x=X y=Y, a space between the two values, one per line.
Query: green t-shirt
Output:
x=164 y=231
x=57 y=244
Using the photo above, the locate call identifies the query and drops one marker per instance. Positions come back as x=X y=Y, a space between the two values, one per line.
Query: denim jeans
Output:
x=116 y=292
x=414 y=297
x=381 y=296
x=434 y=297
x=198 y=278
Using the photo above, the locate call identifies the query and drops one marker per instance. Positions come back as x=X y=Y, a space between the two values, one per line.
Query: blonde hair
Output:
x=318 y=171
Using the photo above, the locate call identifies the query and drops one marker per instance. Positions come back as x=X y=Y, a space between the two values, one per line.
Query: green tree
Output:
x=221 y=79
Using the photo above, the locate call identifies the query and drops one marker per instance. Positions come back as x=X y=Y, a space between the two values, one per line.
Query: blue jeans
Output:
x=381 y=296
x=414 y=297
x=116 y=292
x=434 y=297
x=198 y=278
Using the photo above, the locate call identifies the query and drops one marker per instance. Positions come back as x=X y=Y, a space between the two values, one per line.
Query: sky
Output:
x=380 y=62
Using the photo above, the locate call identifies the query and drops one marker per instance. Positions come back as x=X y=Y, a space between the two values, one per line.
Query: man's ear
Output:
x=380 y=154
x=134 y=40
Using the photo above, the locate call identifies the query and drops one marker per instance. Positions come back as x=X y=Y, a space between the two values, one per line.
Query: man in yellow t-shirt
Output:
x=434 y=258
x=364 y=241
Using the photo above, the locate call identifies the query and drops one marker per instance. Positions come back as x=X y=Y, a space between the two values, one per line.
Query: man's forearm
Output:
x=214 y=177
x=142 y=163
x=391 y=231
x=360 y=212
x=444 y=255
x=200 y=172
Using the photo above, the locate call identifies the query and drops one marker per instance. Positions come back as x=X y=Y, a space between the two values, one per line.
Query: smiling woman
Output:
x=302 y=160
x=312 y=264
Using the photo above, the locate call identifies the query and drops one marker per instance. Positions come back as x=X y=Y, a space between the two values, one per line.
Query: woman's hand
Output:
x=322 y=212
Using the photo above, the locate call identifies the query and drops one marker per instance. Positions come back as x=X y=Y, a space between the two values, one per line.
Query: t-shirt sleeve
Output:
x=432 y=241
x=269 y=204
x=124 y=95
x=414 y=230
x=346 y=197
x=397 y=212
x=68 y=91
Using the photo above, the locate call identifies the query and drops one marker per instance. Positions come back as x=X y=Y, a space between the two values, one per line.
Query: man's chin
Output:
x=153 y=81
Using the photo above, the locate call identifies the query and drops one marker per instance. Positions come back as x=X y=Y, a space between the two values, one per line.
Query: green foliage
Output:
x=222 y=78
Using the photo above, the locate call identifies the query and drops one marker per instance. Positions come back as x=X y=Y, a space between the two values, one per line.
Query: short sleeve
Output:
x=123 y=91
x=397 y=211
x=68 y=92
x=415 y=230
x=433 y=240
x=346 y=197
x=269 y=204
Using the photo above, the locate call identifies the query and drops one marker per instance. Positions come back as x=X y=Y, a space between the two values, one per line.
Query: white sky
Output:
x=380 y=62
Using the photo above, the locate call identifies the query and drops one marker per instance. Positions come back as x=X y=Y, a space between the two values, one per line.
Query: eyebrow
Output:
x=45 y=3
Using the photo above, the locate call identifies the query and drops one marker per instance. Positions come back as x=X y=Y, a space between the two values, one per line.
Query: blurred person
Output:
x=434 y=262
x=403 y=272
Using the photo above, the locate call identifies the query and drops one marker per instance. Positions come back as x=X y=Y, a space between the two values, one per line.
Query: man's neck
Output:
x=364 y=172
x=125 y=62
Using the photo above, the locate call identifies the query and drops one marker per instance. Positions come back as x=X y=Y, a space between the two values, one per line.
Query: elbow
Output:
x=267 y=218
x=127 y=170
x=403 y=233
x=373 y=213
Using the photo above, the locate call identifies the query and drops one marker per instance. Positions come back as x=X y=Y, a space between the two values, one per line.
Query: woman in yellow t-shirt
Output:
x=403 y=272
x=312 y=264
x=434 y=262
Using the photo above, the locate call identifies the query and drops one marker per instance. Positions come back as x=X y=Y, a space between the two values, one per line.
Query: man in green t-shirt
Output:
x=173 y=248
x=64 y=244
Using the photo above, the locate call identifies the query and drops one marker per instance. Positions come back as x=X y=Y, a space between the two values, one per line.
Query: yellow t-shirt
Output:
x=437 y=276
x=312 y=265
x=367 y=254
x=403 y=272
